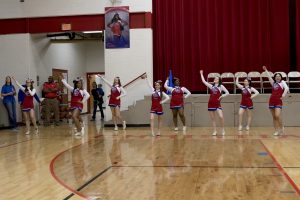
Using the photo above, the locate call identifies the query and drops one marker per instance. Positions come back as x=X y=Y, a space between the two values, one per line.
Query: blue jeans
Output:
x=11 y=111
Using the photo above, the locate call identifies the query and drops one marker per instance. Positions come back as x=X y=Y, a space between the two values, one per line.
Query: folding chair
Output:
x=294 y=79
x=228 y=79
x=256 y=81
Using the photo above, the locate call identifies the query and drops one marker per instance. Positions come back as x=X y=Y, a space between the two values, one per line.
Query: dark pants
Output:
x=99 y=104
x=51 y=104
x=11 y=111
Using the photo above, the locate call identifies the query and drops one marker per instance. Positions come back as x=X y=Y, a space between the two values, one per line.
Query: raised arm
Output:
x=204 y=81
x=148 y=83
x=286 y=89
x=168 y=87
x=269 y=76
x=238 y=84
x=187 y=92
x=18 y=84
x=165 y=99
x=105 y=81
x=253 y=90
x=86 y=96
x=67 y=85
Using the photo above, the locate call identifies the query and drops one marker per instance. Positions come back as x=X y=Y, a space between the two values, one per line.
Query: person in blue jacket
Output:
x=8 y=93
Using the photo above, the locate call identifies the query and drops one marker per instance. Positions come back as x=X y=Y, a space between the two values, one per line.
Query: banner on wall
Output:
x=117 y=27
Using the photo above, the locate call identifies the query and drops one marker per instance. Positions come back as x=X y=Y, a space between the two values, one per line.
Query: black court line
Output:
x=200 y=166
x=291 y=167
x=88 y=182
x=16 y=143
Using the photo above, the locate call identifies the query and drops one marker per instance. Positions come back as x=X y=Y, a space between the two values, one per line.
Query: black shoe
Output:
x=93 y=120
x=56 y=124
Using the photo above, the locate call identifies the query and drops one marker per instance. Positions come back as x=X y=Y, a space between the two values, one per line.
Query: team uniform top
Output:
x=116 y=91
x=246 y=102
x=279 y=90
x=27 y=103
x=78 y=96
x=214 y=102
x=177 y=95
x=157 y=100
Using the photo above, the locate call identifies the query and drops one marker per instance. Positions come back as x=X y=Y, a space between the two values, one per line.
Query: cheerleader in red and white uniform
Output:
x=27 y=104
x=177 y=101
x=116 y=93
x=246 y=102
x=158 y=98
x=214 y=103
x=279 y=91
x=78 y=97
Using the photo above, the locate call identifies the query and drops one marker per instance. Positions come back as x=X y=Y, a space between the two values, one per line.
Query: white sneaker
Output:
x=214 y=133
x=276 y=133
x=184 y=128
x=116 y=128
x=124 y=125
x=240 y=128
x=176 y=129
x=282 y=130
x=152 y=133
x=27 y=133
x=78 y=133
x=247 y=128
x=223 y=132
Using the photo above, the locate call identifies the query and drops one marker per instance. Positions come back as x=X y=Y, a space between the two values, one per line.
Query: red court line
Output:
x=51 y=167
x=281 y=169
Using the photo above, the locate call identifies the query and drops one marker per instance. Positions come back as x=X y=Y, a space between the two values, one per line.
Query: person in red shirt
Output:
x=50 y=90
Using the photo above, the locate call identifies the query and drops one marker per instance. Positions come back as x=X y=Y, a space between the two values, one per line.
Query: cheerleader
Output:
x=246 y=102
x=177 y=103
x=279 y=91
x=78 y=97
x=116 y=93
x=158 y=98
x=27 y=104
x=214 y=103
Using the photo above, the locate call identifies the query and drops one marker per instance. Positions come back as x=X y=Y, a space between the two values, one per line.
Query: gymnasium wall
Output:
x=39 y=8
x=24 y=55
x=79 y=58
x=197 y=115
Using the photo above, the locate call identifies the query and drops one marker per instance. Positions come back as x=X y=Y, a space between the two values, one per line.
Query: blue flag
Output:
x=170 y=81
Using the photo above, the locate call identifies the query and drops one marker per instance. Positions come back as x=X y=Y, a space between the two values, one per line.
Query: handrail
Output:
x=130 y=82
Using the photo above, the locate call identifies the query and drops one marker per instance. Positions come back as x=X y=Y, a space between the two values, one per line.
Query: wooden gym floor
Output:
x=132 y=165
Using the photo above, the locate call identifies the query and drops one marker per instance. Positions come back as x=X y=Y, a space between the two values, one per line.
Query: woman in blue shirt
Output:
x=8 y=93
